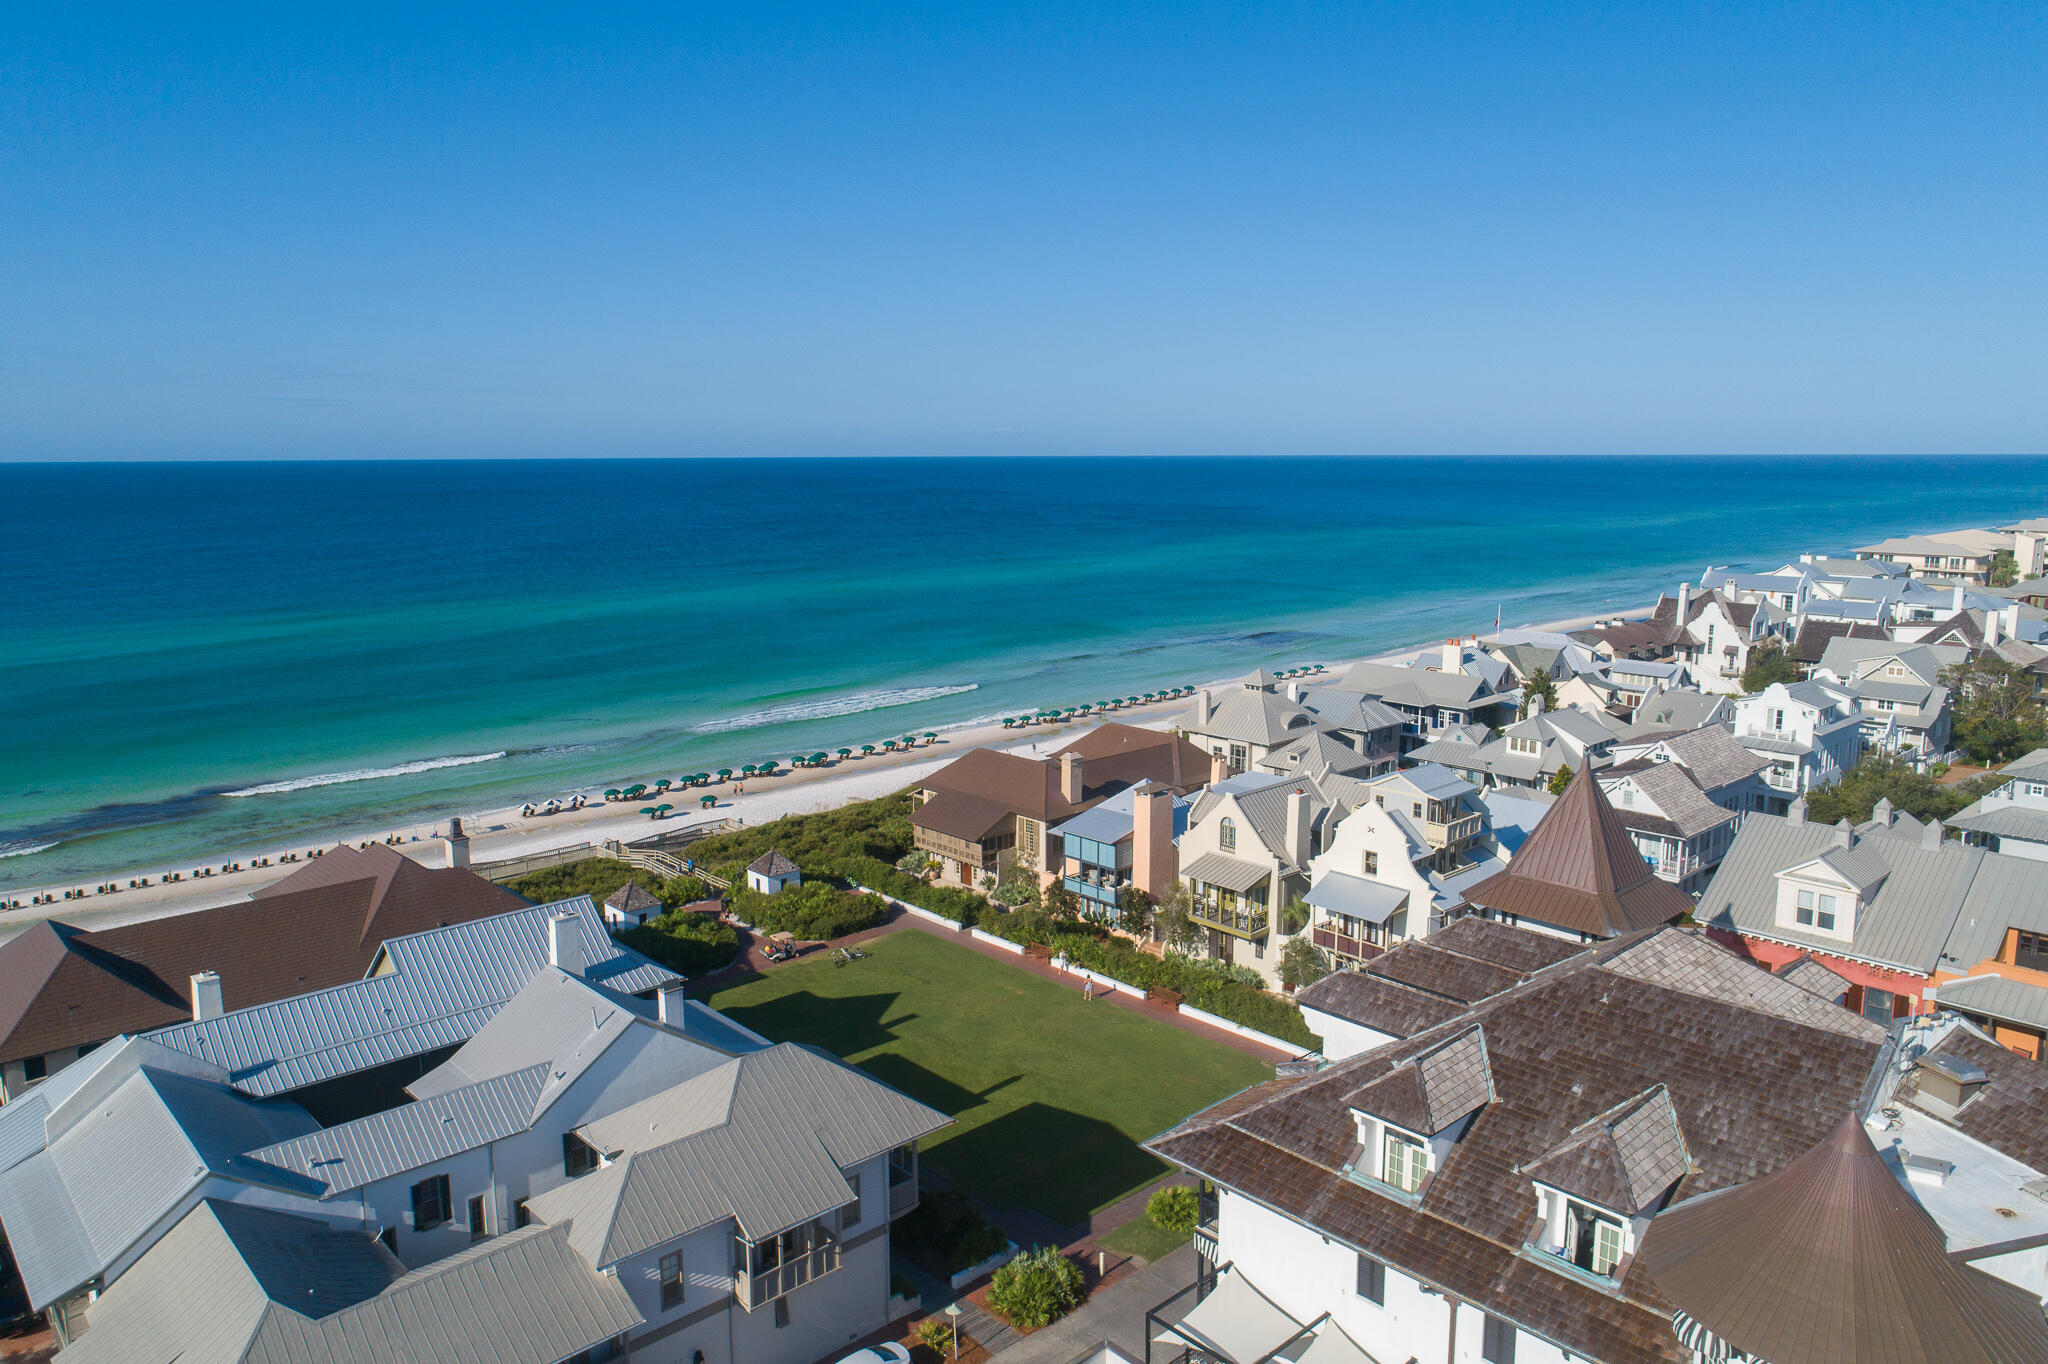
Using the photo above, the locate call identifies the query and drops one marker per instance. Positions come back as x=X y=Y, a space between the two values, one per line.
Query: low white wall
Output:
x=993 y=941
x=1264 y=1039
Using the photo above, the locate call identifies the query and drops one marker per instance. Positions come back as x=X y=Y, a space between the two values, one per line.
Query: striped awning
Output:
x=1702 y=1342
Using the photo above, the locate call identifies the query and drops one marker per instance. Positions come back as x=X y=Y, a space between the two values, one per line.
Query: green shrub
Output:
x=1174 y=1208
x=1206 y=989
x=687 y=943
x=946 y=1233
x=934 y=1333
x=813 y=911
x=598 y=877
x=1036 y=1289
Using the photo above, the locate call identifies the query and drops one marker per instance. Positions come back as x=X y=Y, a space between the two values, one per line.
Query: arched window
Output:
x=1226 y=835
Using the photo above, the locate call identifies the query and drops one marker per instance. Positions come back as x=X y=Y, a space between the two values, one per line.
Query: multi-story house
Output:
x=1809 y=733
x=67 y=990
x=1679 y=831
x=739 y=1193
x=1489 y=1186
x=1957 y=555
x=1126 y=842
x=1578 y=874
x=1245 y=855
x=1898 y=694
x=2014 y=818
x=1381 y=880
x=1369 y=727
x=1726 y=773
x=1459 y=685
x=988 y=809
x=1246 y=722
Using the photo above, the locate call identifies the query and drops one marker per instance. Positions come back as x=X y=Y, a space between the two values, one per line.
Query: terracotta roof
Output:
x=1578 y=869
x=1751 y=1090
x=62 y=986
x=1830 y=1261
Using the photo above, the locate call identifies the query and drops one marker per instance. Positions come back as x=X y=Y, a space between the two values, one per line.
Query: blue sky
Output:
x=994 y=229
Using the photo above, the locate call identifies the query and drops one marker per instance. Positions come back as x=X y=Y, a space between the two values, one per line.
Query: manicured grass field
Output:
x=1050 y=1093
x=1144 y=1238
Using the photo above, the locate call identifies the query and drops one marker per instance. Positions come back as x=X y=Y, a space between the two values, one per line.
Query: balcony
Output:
x=1453 y=831
x=902 y=1181
x=768 y=1282
x=1344 y=945
x=1243 y=923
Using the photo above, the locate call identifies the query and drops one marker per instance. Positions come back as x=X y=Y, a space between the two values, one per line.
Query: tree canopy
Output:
x=1541 y=685
x=1886 y=776
x=1769 y=662
x=1997 y=715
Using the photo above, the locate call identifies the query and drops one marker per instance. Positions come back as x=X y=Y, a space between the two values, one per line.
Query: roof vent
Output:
x=1948 y=1082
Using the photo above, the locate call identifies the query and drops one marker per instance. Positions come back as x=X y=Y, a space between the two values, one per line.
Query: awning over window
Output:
x=1228 y=872
x=1235 y=1322
x=1355 y=897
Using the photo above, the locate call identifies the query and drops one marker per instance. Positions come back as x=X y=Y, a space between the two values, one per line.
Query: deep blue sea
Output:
x=191 y=653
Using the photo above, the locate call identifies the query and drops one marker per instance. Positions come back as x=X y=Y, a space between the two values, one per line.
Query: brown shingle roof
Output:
x=631 y=898
x=772 y=863
x=1751 y=1089
x=1424 y=966
x=1517 y=949
x=64 y=987
x=1579 y=870
x=2008 y=1113
x=1113 y=757
x=1378 y=1003
x=1830 y=1261
x=1815 y=634
x=1433 y=1089
x=1624 y=1160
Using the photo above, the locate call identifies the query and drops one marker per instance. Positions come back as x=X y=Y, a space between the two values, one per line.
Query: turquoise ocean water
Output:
x=192 y=656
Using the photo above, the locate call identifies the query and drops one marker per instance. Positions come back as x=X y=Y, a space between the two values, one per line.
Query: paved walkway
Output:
x=1115 y=1314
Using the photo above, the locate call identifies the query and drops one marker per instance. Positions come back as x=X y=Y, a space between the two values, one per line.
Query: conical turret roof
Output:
x=1579 y=869
x=1830 y=1261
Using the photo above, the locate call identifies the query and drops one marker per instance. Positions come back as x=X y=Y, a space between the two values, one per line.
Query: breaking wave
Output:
x=272 y=788
x=852 y=704
x=23 y=849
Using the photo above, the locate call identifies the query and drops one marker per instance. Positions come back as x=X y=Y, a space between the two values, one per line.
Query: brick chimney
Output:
x=1219 y=768
x=206 y=996
x=455 y=847
x=1070 y=778
x=1154 y=861
x=565 y=943
x=1298 y=827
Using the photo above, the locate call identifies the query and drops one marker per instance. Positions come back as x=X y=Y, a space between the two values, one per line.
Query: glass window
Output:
x=430 y=1202
x=1404 y=1162
x=1226 y=835
x=671 y=1279
x=1418 y=809
x=1372 y=1280
x=1824 y=916
x=477 y=1229
x=1877 y=1005
x=34 y=1068
x=1372 y=864
x=1805 y=908
x=579 y=1157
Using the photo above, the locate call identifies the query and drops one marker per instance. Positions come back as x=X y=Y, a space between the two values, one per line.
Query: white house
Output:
x=1809 y=732
x=1375 y=882
x=771 y=872
x=2014 y=818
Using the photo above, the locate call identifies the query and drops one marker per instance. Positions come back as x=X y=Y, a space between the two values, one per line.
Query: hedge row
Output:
x=687 y=943
x=1197 y=984
x=815 y=911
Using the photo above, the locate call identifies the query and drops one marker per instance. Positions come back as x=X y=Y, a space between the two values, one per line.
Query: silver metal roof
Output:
x=2011 y=1001
x=1356 y=897
x=435 y=989
x=1229 y=872
x=1999 y=817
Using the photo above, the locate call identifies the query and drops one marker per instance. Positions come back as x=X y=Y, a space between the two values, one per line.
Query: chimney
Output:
x=1203 y=711
x=1154 y=865
x=1844 y=835
x=2012 y=621
x=565 y=942
x=1956 y=606
x=1295 y=691
x=1930 y=837
x=1454 y=657
x=1535 y=706
x=668 y=1004
x=1994 y=623
x=456 y=845
x=1684 y=600
x=206 y=996
x=1070 y=778
x=1796 y=811
x=1219 y=768
x=1881 y=813
x=1298 y=827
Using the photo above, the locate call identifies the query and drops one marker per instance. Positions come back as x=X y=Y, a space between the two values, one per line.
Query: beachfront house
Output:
x=1247 y=721
x=65 y=990
x=738 y=1194
x=1128 y=842
x=987 y=809
x=1483 y=1188
x=1809 y=733
x=2014 y=818
x=1956 y=555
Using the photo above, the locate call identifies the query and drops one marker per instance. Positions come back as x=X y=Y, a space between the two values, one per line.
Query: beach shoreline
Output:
x=505 y=834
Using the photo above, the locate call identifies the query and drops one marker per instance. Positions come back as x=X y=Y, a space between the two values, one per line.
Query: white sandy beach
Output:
x=500 y=835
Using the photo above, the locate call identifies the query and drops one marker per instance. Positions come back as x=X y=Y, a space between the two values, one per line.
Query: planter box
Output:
x=988 y=1266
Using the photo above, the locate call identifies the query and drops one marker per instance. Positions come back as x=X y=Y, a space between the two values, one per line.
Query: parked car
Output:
x=888 y=1352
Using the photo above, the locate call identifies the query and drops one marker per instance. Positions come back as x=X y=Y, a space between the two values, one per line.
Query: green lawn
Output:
x=1050 y=1093
x=1144 y=1238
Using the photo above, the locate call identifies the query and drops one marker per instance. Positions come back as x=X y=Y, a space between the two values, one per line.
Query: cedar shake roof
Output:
x=1830 y=1261
x=958 y=814
x=1429 y=1092
x=1751 y=1089
x=1514 y=948
x=1374 y=1002
x=1812 y=977
x=772 y=863
x=2007 y=1113
x=631 y=898
x=62 y=986
x=1423 y=966
x=1578 y=869
x=1420 y=983
x=1815 y=634
x=1113 y=757
x=1624 y=1160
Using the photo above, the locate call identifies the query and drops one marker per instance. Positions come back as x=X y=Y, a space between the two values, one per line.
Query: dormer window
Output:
x=1816 y=910
x=1403 y=1160
x=1592 y=1238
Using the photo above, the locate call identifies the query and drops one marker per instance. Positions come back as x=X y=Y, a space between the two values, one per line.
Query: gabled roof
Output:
x=1421 y=687
x=1830 y=1261
x=1814 y=635
x=762 y=1139
x=1714 y=756
x=1433 y=1089
x=63 y=987
x=425 y=992
x=1580 y=870
x=1252 y=717
x=1812 y=977
x=232 y=1284
x=994 y=784
x=1680 y=803
x=1624 y=1160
